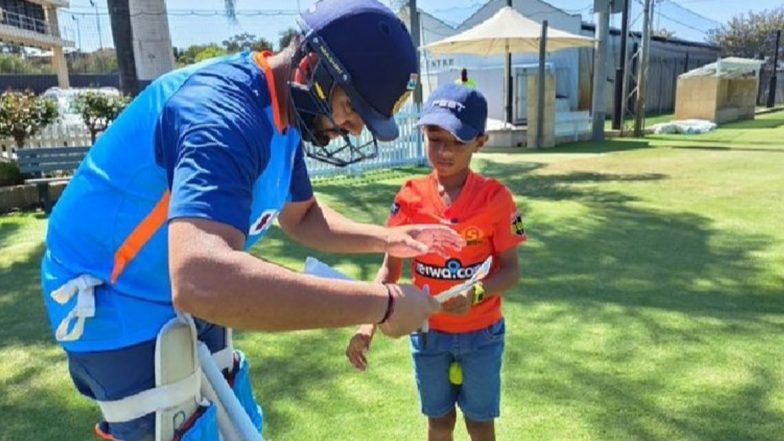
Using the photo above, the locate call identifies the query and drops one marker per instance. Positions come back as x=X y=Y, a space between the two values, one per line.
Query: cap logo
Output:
x=448 y=104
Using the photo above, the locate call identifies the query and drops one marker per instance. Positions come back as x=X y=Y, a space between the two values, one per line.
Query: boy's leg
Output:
x=441 y=428
x=480 y=430
x=436 y=393
x=480 y=395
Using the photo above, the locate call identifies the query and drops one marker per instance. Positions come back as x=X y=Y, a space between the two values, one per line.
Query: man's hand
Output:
x=459 y=304
x=412 y=308
x=414 y=240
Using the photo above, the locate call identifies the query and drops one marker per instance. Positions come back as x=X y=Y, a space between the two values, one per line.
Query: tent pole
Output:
x=541 y=84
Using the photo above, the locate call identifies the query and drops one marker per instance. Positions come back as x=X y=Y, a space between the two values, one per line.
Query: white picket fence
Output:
x=406 y=150
x=54 y=135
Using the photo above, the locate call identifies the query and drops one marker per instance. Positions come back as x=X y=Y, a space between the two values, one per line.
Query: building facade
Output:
x=34 y=23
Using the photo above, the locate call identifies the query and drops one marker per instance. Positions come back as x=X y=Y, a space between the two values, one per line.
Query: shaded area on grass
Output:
x=615 y=308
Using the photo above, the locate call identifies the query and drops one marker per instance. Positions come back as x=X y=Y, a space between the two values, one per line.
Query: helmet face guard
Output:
x=311 y=100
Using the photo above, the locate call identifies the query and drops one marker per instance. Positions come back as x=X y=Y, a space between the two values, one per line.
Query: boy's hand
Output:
x=459 y=304
x=414 y=240
x=358 y=347
x=412 y=308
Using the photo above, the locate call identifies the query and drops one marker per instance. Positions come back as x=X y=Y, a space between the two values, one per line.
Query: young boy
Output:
x=467 y=337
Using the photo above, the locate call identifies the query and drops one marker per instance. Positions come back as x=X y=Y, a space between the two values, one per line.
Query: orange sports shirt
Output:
x=485 y=215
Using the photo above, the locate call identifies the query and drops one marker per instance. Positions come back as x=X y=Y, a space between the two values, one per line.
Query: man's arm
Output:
x=317 y=226
x=216 y=281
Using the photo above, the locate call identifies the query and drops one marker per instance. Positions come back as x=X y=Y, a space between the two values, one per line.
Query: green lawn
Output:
x=651 y=305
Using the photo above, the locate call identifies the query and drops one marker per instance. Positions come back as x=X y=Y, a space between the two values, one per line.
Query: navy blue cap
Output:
x=375 y=57
x=460 y=110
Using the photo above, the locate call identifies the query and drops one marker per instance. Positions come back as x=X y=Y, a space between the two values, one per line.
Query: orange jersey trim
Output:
x=142 y=234
x=261 y=60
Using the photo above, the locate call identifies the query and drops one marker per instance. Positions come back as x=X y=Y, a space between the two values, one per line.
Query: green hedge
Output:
x=10 y=174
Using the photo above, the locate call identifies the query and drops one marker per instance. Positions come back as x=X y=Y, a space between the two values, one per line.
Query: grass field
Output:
x=651 y=305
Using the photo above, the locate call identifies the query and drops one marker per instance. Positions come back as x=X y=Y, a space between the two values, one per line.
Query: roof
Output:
x=614 y=31
x=731 y=67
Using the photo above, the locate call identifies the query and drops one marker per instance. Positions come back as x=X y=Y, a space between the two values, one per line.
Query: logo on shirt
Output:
x=452 y=270
x=518 y=227
x=473 y=235
x=263 y=222
x=394 y=209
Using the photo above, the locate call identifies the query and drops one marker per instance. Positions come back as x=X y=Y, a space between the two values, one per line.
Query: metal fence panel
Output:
x=405 y=151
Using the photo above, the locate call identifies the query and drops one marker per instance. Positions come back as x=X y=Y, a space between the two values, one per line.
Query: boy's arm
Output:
x=503 y=278
x=506 y=276
x=359 y=344
x=389 y=272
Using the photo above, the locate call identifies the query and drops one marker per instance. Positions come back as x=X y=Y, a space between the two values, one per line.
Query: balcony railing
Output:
x=25 y=22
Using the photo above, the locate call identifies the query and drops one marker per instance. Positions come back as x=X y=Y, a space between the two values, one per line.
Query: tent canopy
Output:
x=506 y=31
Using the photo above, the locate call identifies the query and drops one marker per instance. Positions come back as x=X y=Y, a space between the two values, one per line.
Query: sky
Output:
x=200 y=22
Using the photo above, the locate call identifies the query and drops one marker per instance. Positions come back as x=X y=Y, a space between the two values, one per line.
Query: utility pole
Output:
x=78 y=33
x=98 y=24
x=642 y=71
x=599 y=98
x=620 y=71
x=417 y=38
x=773 y=79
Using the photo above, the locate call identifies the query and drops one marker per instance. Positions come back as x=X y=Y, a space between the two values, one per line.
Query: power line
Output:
x=703 y=31
x=457 y=8
x=194 y=12
x=696 y=14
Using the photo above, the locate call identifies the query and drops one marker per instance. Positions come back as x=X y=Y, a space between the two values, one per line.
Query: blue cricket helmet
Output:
x=367 y=51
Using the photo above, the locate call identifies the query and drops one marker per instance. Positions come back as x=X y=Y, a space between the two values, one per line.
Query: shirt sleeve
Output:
x=300 y=189
x=398 y=211
x=509 y=230
x=213 y=177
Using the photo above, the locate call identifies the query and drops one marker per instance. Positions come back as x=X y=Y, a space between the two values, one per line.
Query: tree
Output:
x=98 y=110
x=748 y=35
x=210 y=51
x=286 y=37
x=240 y=42
x=187 y=56
x=14 y=64
x=122 y=34
x=22 y=114
x=100 y=61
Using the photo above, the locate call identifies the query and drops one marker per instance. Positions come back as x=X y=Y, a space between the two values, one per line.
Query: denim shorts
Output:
x=479 y=354
x=116 y=374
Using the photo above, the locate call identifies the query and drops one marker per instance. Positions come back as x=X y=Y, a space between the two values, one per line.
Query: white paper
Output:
x=317 y=268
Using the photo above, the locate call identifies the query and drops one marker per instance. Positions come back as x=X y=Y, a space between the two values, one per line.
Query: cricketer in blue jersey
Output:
x=149 y=238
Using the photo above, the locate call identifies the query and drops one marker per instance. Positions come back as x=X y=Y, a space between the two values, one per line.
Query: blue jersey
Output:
x=201 y=142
